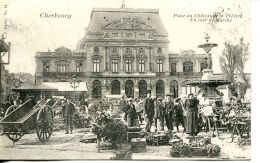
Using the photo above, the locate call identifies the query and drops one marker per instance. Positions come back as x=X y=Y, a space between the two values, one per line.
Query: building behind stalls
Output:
x=124 y=51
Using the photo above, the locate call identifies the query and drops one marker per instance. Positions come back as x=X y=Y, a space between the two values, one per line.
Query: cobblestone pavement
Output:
x=68 y=146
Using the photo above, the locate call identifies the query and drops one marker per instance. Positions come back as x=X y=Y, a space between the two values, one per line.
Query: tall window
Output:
x=159 y=65
x=79 y=67
x=96 y=63
x=128 y=34
x=188 y=66
x=142 y=35
x=173 y=68
x=115 y=65
x=128 y=65
x=63 y=66
x=45 y=66
x=202 y=66
x=141 y=65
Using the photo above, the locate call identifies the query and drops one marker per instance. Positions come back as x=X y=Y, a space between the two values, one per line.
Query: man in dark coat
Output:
x=131 y=113
x=169 y=112
x=149 y=111
x=179 y=118
x=159 y=113
x=69 y=110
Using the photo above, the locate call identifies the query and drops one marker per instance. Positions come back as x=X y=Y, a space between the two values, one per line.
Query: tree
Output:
x=233 y=60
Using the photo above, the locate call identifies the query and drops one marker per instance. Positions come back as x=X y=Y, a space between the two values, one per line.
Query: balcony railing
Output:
x=62 y=74
x=186 y=73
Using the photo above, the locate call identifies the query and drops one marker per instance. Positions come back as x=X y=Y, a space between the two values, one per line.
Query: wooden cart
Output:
x=19 y=120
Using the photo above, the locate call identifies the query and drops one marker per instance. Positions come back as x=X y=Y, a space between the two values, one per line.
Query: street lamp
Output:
x=74 y=84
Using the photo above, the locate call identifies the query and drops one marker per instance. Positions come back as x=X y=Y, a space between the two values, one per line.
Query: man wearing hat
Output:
x=169 y=111
x=131 y=113
x=159 y=113
x=149 y=110
x=69 y=110
x=191 y=105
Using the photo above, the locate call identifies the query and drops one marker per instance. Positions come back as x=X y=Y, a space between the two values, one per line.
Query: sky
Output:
x=28 y=33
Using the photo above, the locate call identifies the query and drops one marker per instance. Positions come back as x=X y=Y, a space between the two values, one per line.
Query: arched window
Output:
x=174 y=88
x=188 y=66
x=115 y=87
x=142 y=86
x=129 y=88
x=96 y=89
x=160 y=88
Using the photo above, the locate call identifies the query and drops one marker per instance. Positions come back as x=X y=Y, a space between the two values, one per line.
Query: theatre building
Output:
x=124 y=51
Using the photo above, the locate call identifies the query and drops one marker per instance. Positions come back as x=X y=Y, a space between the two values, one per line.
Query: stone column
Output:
x=122 y=87
x=122 y=59
x=135 y=61
x=136 y=90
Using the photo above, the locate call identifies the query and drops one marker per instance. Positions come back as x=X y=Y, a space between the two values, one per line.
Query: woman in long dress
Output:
x=191 y=105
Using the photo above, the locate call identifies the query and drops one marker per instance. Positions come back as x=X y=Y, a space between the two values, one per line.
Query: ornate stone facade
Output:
x=124 y=51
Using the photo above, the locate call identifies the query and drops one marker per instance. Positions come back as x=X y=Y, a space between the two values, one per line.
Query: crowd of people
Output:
x=158 y=111
x=162 y=113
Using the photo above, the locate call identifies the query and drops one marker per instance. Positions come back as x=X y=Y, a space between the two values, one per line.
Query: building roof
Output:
x=101 y=17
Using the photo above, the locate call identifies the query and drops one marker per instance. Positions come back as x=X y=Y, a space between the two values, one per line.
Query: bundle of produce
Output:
x=150 y=138
x=58 y=123
x=93 y=109
x=122 y=154
x=213 y=150
x=106 y=145
x=180 y=149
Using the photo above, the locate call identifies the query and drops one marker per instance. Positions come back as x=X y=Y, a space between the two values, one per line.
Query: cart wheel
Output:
x=10 y=109
x=14 y=132
x=44 y=123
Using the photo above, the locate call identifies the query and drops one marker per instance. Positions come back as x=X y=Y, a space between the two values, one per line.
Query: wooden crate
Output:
x=161 y=139
x=131 y=135
x=138 y=145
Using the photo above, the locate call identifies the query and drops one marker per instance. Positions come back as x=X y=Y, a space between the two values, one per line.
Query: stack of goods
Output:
x=133 y=132
x=196 y=147
x=159 y=138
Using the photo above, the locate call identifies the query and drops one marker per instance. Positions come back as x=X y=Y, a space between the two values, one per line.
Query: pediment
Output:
x=127 y=23
x=62 y=51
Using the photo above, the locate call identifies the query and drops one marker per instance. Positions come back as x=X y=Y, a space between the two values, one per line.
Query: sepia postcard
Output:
x=125 y=80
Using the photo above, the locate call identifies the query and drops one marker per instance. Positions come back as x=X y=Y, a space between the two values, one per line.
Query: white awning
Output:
x=66 y=86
